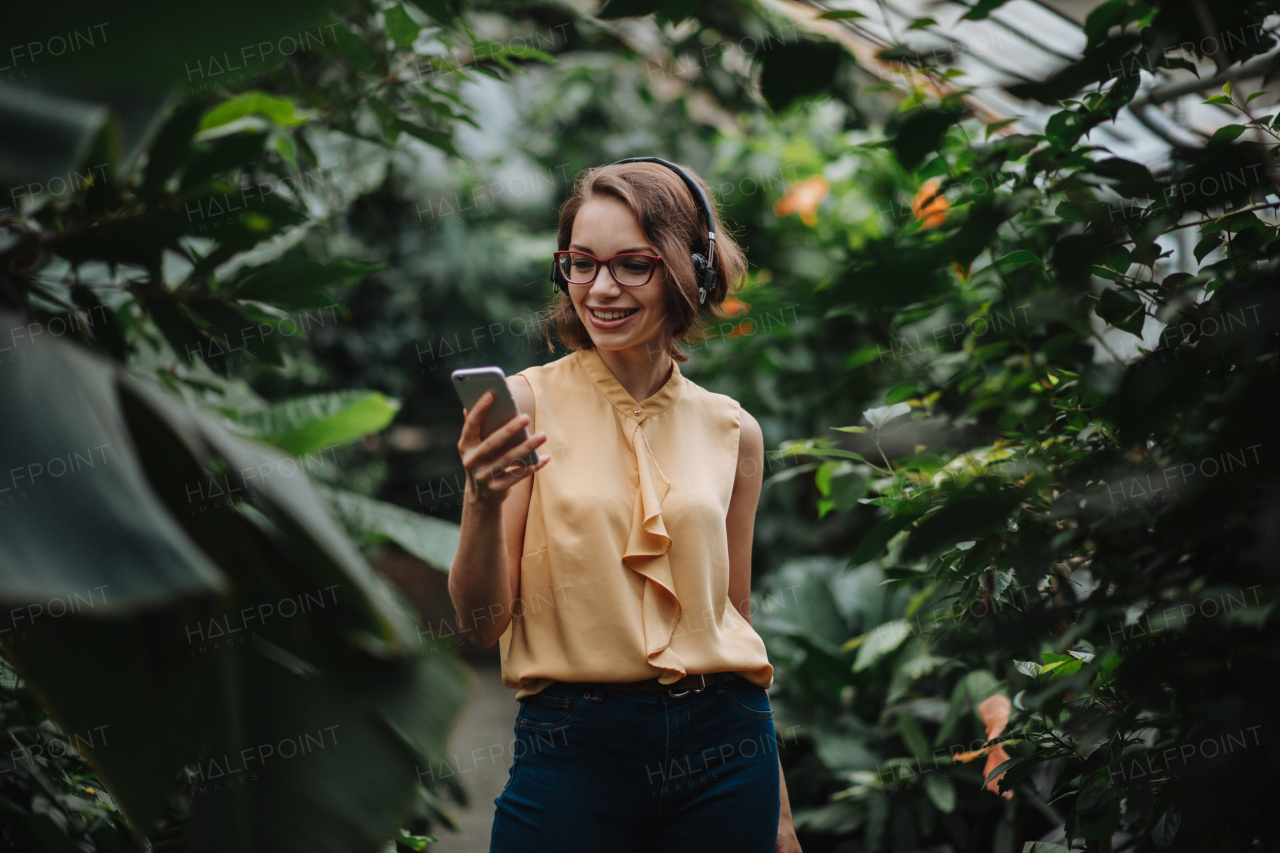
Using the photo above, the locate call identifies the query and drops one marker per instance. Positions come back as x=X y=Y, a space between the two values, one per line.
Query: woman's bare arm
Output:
x=741 y=521
x=484 y=580
x=740 y=526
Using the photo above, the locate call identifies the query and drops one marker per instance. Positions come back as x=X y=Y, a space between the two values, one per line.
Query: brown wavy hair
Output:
x=669 y=217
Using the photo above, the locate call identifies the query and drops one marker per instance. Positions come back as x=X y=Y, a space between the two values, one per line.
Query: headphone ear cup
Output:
x=706 y=277
x=555 y=278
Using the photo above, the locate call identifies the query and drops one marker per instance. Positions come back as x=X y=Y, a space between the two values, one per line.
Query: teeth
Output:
x=612 y=315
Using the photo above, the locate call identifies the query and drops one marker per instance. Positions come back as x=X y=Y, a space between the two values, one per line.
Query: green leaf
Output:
x=983 y=8
x=921 y=132
x=1069 y=211
x=181 y=334
x=1103 y=827
x=301 y=284
x=307 y=425
x=913 y=737
x=432 y=540
x=955 y=709
x=107 y=333
x=231 y=331
x=1205 y=246
x=1003 y=767
x=1017 y=260
x=880 y=642
x=967 y=518
x=849 y=483
x=841 y=752
x=1166 y=828
x=388 y=119
x=874 y=542
x=1122 y=309
x=1129 y=179
x=941 y=791
x=841 y=15
x=222 y=155
x=172 y=146
x=922 y=24
x=1117 y=258
x=443 y=11
x=1229 y=133
x=791 y=72
x=1218 y=99
x=401 y=28
x=1029 y=668
x=436 y=138
x=282 y=111
x=353 y=48
x=628 y=8
x=1096 y=65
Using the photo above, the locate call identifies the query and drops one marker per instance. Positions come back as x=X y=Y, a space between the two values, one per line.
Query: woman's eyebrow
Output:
x=643 y=250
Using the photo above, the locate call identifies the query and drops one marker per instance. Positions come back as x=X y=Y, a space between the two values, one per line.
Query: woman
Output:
x=617 y=580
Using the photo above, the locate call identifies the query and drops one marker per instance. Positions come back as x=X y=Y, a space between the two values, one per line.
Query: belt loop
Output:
x=719 y=682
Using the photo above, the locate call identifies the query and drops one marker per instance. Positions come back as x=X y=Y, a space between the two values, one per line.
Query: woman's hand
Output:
x=787 y=841
x=494 y=465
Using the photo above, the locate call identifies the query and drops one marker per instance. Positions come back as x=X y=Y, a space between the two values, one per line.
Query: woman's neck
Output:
x=641 y=370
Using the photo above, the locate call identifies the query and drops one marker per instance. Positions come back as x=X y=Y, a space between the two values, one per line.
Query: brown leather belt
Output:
x=690 y=683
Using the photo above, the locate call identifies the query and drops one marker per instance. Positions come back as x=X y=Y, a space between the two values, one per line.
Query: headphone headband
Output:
x=704 y=268
x=704 y=206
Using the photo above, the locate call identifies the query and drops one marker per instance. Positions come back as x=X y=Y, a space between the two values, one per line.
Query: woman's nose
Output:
x=605 y=281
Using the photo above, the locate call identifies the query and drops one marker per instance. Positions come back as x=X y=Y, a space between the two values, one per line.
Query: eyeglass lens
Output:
x=630 y=270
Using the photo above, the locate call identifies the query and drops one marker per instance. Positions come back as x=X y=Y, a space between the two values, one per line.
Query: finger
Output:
x=474 y=419
x=494 y=465
x=490 y=450
x=520 y=471
x=521 y=450
x=500 y=438
x=506 y=478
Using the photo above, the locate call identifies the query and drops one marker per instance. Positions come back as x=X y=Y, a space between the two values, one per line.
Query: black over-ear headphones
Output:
x=704 y=268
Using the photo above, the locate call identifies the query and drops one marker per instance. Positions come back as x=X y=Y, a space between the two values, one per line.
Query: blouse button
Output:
x=637 y=411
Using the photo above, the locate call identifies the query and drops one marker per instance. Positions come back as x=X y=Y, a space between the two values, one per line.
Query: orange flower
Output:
x=995 y=716
x=803 y=198
x=929 y=206
x=735 y=307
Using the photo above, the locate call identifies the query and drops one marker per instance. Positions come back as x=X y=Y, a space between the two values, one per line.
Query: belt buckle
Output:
x=691 y=689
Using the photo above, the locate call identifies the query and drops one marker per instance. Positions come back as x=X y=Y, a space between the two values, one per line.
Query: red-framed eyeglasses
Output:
x=629 y=270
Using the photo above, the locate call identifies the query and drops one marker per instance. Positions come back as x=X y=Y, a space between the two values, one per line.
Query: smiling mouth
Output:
x=613 y=314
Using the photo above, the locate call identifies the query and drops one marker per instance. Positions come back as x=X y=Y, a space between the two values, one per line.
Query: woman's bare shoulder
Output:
x=522 y=393
x=751 y=437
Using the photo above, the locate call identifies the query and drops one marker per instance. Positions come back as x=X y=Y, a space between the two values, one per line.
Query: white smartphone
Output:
x=472 y=382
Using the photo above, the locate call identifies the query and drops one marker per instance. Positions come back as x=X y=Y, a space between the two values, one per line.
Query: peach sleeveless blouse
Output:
x=625 y=567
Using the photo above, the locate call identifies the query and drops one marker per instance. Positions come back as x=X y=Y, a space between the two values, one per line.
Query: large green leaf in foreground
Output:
x=191 y=597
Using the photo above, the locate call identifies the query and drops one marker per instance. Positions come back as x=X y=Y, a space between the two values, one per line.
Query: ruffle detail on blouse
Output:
x=646 y=554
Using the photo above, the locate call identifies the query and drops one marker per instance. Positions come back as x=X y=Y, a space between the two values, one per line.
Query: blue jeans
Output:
x=608 y=771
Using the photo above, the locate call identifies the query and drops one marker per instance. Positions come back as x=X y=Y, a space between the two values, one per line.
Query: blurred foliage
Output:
x=994 y=367
x=1045 y=377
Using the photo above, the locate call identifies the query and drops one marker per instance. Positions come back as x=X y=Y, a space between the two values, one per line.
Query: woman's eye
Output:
x=583 y=265
x=636 y=266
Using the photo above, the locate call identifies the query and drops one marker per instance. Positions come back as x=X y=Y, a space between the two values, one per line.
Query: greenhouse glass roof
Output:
x=1026 y=40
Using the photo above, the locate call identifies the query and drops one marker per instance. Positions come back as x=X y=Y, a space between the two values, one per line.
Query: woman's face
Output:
x=617 y=317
